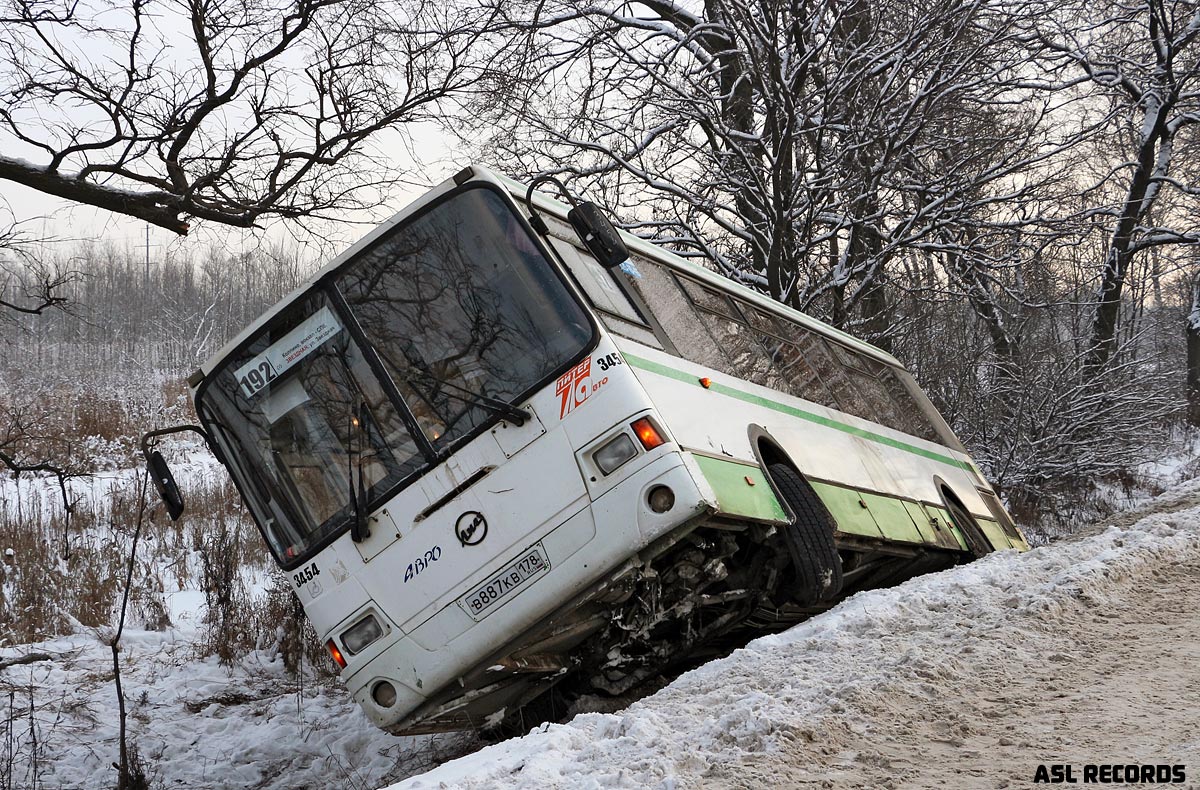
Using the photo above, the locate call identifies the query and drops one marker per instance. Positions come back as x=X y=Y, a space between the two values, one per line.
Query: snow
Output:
x=194 y=466
x=194 y=722
x=198 y=724
x=912 y=639
x=201 y=725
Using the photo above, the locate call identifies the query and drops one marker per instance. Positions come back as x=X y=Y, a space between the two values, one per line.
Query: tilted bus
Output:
x=491 y=465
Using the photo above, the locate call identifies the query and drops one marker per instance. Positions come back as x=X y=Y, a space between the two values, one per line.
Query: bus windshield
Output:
x=366 y=381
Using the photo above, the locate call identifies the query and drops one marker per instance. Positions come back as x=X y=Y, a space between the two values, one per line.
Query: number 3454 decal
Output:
x=306 y=574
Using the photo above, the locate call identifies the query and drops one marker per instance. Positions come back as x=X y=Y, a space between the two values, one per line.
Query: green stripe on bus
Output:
x=791 y=411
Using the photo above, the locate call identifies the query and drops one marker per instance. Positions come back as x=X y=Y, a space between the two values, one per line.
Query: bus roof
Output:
x=677 y=262
x=554 y=207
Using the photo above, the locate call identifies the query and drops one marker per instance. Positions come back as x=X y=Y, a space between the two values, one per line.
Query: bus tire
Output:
x=977 y=543
x=809 y=538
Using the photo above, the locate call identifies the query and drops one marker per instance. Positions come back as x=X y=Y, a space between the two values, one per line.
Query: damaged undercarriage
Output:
x=710 y=590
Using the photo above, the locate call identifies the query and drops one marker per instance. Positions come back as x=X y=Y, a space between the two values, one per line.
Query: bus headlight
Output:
x=616 y=452
x=358 y=636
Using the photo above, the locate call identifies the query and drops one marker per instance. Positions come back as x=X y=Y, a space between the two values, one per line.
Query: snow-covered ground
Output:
x=195 y=723
x=966 y=678
x=1078 y=651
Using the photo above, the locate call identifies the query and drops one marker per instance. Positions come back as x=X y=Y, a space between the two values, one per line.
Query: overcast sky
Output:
x=425 y=156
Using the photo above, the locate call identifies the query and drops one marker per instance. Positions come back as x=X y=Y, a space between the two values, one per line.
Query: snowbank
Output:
x=196 y=724
x=809 y=692
x=911 y=643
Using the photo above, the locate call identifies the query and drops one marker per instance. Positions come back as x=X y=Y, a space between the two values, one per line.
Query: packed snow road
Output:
x=1084 y=652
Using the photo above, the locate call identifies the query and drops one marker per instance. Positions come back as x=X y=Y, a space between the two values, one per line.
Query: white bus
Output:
x=491 y=465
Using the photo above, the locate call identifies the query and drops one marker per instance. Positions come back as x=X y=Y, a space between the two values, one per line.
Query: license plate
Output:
x=530 y=565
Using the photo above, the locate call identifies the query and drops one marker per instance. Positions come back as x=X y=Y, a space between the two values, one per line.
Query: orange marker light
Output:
x=705 y=382
x=337 y=654
x=647 y=434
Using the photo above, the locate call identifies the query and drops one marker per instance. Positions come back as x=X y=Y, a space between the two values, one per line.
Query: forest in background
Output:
x=1003 y=194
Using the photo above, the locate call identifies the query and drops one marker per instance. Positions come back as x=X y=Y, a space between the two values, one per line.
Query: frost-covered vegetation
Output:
x=1001 y=193
x=224 y=682
x=77 y=390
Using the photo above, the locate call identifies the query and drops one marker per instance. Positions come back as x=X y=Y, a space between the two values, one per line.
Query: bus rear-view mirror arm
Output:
x=160 y=471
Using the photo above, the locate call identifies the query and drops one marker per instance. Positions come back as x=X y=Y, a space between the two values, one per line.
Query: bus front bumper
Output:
x=453 y=672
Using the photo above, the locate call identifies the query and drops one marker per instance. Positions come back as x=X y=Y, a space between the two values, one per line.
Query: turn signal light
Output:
x=647 y=434
x=337 y=654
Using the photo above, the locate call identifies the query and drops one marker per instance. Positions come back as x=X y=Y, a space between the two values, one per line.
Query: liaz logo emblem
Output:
x=471 y=528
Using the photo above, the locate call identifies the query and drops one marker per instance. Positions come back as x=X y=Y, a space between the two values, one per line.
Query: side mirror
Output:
x=165 y=484
x=598 y=234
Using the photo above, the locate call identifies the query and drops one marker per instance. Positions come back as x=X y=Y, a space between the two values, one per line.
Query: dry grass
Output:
x=65 y=571
x=214 y=548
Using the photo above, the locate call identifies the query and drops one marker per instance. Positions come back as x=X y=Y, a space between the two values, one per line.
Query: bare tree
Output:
x=798 y=146
x=225 y=110
x=1142 y=61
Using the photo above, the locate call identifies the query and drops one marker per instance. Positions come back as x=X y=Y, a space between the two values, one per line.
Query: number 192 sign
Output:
x=287 y=351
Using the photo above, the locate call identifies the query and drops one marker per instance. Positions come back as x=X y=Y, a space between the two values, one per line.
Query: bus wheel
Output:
x=809 y=538
x=977 y=543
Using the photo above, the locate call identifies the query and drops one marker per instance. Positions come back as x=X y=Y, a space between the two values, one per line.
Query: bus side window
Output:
x=841 y=378
x=711 y=328
x=612 y=305
x=912 y=417
x=678 y=320
x=889 y=400
x=816 y=351
x=601 y=290
x=789 y=371
x=744 y=354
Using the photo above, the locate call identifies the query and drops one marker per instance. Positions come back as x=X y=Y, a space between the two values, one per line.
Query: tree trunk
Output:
x=1192 y=331
x=1153 y=160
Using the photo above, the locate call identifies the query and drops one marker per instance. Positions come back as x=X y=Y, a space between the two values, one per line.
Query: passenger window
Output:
x=741 y=346
x=736 y=337
x=602 y=291
x=683 y=325
x=910 y=416
x=707 y=298
x=616 y=311
x=798 y=376
x=834 y=375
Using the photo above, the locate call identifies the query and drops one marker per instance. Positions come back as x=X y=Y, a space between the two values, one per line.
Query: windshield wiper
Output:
x=359 y=528
x=472 y=398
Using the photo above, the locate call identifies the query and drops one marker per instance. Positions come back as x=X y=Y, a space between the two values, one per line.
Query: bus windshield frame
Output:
x=386 y=364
